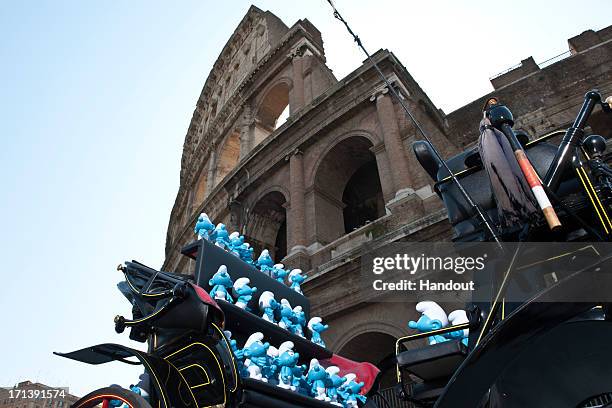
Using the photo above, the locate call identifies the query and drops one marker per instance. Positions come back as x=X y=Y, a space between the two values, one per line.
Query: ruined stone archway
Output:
x=376 y=348
x=266 y=225
x=200 y=190
x=272 y=110
x=347 y=189
x=228 y=156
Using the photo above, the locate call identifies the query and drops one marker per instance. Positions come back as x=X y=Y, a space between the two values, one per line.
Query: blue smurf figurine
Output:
x=287 y=359
x=221 y=236
x=204 y=227
x=454 y=318
x=299 y=321
x=296 y=279
x=432 y=318
x=246 y=253
x=220 y=283
x=299 y=381
x=239 y=354
x=255 y=352
x=267 y=304
x=287 y=316
x=270 y=369
x=334 y=381
x=235 y=242
x=279 y=273
x=316 y=328
x=350 y=391
x=265 y=262
x=316 y=378
x=243 y=292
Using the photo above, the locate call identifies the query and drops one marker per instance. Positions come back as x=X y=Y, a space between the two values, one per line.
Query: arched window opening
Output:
x=363 y=197
x=199 y=193
x=283 y=117
x=348 y=192
x=228 y=157
x=273 y=111
x=267 y=226
x=376 y=348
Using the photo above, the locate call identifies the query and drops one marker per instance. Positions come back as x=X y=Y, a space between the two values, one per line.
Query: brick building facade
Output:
x=340 y=171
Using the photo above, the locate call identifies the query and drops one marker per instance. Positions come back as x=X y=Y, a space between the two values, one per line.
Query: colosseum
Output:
x=311 y=166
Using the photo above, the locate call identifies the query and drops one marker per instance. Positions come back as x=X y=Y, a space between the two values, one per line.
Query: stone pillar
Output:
x=298 y=213
x=235 y=222
x=297 y=256
x=400 y=171
x=246 y=132
x=212 y=165
x=297 y=92
x=384 y=173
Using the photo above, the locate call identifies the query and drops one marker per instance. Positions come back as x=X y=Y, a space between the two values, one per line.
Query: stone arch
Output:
x=273 y=104
x=228 y=156
x=347 y=188
x=200 y=189
x=266 y=224
x=333 y=141
x=376 y=347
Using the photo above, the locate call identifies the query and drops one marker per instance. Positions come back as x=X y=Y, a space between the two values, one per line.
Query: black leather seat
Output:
x=433 y=362
x=433 y=365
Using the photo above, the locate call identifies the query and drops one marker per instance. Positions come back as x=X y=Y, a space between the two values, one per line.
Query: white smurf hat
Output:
x=314 y=321
x=265 y=298
x=279 y=266
x=294 y=272
x=313 y=362
x=240 y=282
x=433 y=311
x=285 y=302
x=234 y=234
x=222 y=268
x=255 y=337
x=350 y=377
x=227 y=333
x=459 y=317
x=272 y=351
x=285 y=346
x=332 y=370
x=297 y=309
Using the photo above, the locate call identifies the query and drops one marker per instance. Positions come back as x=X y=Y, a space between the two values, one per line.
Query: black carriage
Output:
x=189 y=361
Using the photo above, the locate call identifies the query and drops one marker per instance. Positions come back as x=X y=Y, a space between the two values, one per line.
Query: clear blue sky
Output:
x=95 y=101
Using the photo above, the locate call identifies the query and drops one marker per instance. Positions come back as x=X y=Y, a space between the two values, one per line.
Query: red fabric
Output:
x=205 y=297
x=365 y=372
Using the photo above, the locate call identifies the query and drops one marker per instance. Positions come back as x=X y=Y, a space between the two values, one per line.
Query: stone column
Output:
x=297 y=92
x=384 y=173
x=405 y=203
x=400 y=171
x=297 y=191
x=246 y=133
x=297 y=256
x=210 y=178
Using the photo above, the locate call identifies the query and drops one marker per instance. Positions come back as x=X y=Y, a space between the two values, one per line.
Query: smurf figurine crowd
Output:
x=433 y=317
x=260 y=360
x=234 y=243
